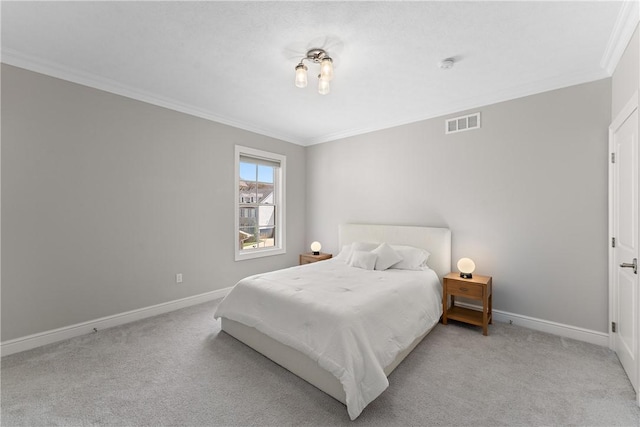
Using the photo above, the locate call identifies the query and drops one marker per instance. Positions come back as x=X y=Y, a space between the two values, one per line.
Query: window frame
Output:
x=279 y=202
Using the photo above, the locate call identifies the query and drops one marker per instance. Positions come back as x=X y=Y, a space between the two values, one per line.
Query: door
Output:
x=623 y=224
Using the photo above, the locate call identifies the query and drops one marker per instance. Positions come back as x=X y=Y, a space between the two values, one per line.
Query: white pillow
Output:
x=412 y=258
x=361 y=246
x=363 y=259
x=386 y=256
x=345 y=253
x=347 y=250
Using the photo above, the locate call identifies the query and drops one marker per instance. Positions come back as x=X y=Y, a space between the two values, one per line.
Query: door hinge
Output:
x=613 y=326
x=613 y=157
x=613 y=242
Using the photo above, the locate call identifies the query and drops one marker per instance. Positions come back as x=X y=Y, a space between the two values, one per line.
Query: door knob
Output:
x=633 y=265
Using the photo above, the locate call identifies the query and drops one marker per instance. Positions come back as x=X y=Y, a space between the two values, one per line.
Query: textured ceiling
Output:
x=234 y=62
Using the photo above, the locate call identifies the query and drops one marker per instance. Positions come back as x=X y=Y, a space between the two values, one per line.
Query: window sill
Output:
x=260 y=254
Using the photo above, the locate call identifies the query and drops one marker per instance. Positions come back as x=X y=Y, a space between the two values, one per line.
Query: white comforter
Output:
x=353 y=322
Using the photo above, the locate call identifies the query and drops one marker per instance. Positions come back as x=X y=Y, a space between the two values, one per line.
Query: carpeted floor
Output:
x=179 y=369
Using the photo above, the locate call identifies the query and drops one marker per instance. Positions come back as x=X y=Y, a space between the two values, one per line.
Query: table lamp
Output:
x=315 y=248
x=466 y=267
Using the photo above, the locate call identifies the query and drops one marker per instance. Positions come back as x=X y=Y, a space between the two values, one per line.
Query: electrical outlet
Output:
x=179 y=278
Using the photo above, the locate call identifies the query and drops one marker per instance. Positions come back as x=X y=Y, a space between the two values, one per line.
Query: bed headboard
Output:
x=435 y=240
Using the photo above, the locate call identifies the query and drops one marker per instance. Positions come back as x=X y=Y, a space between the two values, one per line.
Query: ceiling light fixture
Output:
x=318 y=56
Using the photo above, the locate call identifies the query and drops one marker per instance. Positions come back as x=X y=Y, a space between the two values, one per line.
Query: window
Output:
x=259 y=203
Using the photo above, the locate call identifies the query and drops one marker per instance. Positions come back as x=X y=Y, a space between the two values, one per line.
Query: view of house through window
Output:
x=257 y=205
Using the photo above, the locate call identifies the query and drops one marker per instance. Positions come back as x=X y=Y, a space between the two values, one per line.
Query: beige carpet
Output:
x=179 y=369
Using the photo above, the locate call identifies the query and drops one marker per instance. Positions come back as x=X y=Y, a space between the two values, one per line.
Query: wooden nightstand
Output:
x=308 y=258
x=478 y=288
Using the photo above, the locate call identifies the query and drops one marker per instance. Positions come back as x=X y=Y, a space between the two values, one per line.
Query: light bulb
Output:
x=315 y=248
x=326 y=69
x=466 y=267
x=323 y=86
x=301 y=75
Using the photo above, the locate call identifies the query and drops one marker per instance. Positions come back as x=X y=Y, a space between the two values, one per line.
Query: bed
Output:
x=343 y=329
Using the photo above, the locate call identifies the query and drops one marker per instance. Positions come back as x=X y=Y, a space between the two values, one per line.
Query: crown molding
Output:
x=21 y=60
x=30 y=63
x=625 y=25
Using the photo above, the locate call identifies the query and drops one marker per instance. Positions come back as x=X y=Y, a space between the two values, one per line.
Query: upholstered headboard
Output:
x=435 y=240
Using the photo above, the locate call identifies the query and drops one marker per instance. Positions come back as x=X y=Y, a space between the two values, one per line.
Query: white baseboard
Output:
x=55 y=335
x=43 y=338
x=560 y=329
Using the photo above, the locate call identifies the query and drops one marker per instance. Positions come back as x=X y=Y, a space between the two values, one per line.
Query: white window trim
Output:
x=280 y=203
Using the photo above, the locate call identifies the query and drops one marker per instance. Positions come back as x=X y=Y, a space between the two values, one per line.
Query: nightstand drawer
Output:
x=308 y=258
x=462 y=289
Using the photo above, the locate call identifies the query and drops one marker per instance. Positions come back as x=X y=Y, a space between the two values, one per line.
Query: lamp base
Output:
x=316 y=253
x=466 y=275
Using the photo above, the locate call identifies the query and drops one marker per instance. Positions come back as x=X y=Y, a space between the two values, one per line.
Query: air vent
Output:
x=460 y=124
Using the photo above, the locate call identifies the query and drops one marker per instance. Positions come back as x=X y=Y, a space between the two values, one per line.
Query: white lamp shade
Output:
x=301 y=76
x=466 y=265
x=323 y=86
x=326 y=69
x=316 y=246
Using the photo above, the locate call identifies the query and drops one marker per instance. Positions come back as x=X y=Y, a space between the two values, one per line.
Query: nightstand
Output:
x=308 y=258
x=478 y=288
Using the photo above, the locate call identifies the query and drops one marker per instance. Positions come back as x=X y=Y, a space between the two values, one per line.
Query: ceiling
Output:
x=233 y=62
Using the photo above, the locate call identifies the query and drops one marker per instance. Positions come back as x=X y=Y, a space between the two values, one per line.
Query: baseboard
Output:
x=560 y=329
x=43 y=338
x=36 y=340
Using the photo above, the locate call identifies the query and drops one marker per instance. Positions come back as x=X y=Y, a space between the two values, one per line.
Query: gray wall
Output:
x=525 y=196
x=626 y=78
x=105 y=199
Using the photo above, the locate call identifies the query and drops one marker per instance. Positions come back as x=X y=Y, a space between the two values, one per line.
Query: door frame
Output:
x=627 y=110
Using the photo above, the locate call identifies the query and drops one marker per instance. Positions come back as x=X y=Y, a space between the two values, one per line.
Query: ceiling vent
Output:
x=460 y=124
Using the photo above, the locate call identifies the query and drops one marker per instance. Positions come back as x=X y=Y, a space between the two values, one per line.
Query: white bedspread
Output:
x=353 y=322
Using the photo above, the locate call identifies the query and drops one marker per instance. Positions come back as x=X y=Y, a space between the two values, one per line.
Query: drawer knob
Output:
x=464 y=289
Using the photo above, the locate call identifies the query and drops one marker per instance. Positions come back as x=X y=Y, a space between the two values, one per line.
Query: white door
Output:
x=624 y=228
